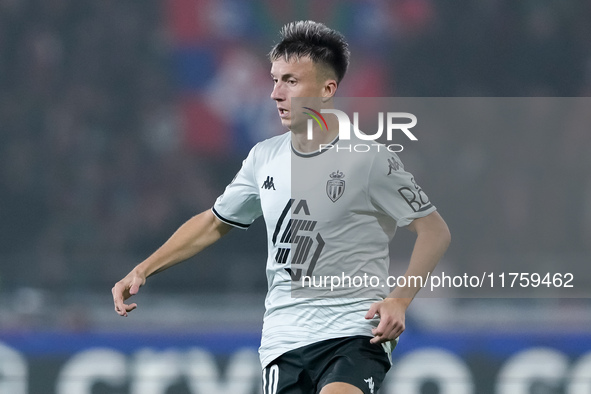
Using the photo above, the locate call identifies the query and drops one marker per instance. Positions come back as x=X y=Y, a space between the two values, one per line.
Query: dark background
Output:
x=119 y=120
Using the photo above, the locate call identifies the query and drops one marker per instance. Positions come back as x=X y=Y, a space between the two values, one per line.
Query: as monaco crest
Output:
x=335 y=187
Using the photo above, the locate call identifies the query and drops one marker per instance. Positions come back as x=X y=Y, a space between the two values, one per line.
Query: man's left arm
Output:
x=433 y=238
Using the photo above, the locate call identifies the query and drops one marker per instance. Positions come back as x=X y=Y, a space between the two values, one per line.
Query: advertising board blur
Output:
x=173 y=363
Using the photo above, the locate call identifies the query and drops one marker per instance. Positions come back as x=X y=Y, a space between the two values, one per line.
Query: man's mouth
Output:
x=283 y=113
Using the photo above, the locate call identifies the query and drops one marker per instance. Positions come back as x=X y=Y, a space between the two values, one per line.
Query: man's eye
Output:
x=291 y=81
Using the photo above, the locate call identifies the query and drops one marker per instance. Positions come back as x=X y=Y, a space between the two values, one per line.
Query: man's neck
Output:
x=301 y=142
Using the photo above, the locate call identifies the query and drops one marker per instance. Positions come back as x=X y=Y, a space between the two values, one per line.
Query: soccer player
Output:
x=326 y=212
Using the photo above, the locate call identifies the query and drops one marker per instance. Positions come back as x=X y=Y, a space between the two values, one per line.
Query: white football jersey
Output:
x=328 y=214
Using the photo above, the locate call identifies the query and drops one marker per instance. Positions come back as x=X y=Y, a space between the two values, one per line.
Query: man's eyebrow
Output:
x=285 y=76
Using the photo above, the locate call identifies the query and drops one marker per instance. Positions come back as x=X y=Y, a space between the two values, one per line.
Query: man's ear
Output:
x=329 y=89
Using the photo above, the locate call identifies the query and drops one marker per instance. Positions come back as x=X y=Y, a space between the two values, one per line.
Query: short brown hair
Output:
x=322 y=44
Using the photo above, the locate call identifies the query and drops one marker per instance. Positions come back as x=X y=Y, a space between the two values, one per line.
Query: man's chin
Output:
x=295 y=127
x=286 y=123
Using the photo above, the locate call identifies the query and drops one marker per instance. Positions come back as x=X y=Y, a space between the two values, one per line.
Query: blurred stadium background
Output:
x=121 y=119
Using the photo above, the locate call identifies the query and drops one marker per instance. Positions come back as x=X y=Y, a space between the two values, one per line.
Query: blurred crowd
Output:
x=95 y=171
x=91 y=167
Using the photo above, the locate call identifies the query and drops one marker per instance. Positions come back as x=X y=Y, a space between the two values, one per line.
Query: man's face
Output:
x=296 y=78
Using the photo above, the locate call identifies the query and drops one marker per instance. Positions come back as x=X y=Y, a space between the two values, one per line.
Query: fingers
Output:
x=387 y=330
x=380 y=332
x=391 y=324
x=373 y=310
x=120 y=307
x=124 y=308
x=129 y=308
x=120 y=294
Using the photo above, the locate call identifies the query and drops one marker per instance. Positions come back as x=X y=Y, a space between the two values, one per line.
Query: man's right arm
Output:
x=191 y=238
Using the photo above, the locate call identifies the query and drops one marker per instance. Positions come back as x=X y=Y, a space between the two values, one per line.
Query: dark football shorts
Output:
x=308 y=369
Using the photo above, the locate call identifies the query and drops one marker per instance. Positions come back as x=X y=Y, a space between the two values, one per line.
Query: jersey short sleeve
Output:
x=394 y=191
x=240 y=203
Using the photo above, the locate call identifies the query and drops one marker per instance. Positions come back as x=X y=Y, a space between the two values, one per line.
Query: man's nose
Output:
x=277 y=93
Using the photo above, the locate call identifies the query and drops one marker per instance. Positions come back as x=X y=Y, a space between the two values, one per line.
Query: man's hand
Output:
x=392 y=313
x=192 y=237
x=124 y=289
x=432 y=240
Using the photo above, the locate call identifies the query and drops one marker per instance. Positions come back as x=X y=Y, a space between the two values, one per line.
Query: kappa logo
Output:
x=393 y=165
x=335 y=187
x=268 y=184
x=370 y=384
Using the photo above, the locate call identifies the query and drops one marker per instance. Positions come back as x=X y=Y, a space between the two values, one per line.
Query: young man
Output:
x=326 y=213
